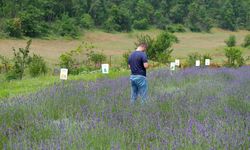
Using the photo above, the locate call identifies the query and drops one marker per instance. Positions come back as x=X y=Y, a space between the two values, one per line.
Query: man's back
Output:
x=136 y=62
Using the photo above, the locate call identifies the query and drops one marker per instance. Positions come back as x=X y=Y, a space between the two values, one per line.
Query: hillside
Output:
x=115 y=44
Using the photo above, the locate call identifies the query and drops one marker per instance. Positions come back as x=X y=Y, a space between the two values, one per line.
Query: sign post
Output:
x=207 y=62
x=172 y=66
x=177 y=62
x=64 y=74
x=105 y=68
x=198 y=63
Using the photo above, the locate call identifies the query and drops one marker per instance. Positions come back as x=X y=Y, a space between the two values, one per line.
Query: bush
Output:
x=31 y=23
x=86 y=21
x=141 y=24
x=176 y=28
x=159 y=49
x=97 y=58
x=234 y=57
x=37 y=66
x=13 y=27
x=231 y=41
x=21 y=61
x=192 y=59
x=125 y=57
x=110 y=25
x=247 y=41
x=67 y=27
x=5 y=64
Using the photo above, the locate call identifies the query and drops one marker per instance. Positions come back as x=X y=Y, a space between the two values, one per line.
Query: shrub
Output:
x=69 y=59
x=86 y=21
x=247 y=41
x=125 y=57
x=97 y=58
x=159 y=49
x=141 y=24
x=176 y=28
x=110 y=25
x=67 y=27
x=37 y=66
x=196 y=56
x=234 y=57
x=21 y=61
x=5 y=64
x=192 y=59
x=231 y=41
x=31 y=23
x=13 y=27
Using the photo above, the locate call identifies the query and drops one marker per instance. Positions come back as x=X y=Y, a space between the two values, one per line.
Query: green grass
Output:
x=30 y=85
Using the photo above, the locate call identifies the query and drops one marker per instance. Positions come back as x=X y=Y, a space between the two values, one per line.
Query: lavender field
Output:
x=189 y=109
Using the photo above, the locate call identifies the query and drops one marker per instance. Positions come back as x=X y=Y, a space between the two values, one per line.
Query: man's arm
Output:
x=145 y=65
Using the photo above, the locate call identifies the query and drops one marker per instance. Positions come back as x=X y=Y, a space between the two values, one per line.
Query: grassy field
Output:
x=31 y=85
x=115 y=44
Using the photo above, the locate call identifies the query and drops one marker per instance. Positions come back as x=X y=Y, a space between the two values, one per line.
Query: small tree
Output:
x=231 y=41
x=247 y=41
x=97 y=58
x=70 y=59
x=37 y=66
x=125 y=57
x=13 y=27
x=21 y=60
x=141 y=24
x=6 y=63
x=234 y=57
x=192 y=59
x=159 y=49
x=86 y=21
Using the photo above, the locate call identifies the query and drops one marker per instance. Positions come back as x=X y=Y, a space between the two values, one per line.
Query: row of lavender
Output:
x=191 y=109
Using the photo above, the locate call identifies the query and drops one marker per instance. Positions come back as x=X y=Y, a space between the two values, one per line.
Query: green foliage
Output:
x=37 y=17
x=247 y=41
x=141 y=24
x=159 y=49
x=37 y=66
x=21 y=60
x=13 y=27
x=228 y=20
x=119 y=20
x=74 y=59
x=196 y=56
x=176 y=28
x=125 y=57
x=192 y=58
x=231 y=41
x=197 y=19
x=234 y=57
x=31 y=23
x=86 y=21
x=67 y=27
x=97 y=58
x=5 y=64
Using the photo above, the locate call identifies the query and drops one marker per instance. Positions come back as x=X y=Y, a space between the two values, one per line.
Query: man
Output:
x=138 y=63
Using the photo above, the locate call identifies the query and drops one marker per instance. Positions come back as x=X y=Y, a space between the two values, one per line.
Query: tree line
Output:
x=34 y=18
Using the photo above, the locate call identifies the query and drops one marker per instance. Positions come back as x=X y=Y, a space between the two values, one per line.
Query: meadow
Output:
x=115 y=44
x=195 y=108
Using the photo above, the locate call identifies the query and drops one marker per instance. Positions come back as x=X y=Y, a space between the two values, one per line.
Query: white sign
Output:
x=172 y=66
x=177 y=62
x=105 y=68
x=64 y=74
x=207 y=62
x=198 y=63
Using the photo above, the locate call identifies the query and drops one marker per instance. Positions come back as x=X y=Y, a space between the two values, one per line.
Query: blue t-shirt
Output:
x=136 y=61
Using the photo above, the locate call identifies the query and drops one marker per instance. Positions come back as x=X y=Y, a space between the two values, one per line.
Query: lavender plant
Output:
x=190 y=109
